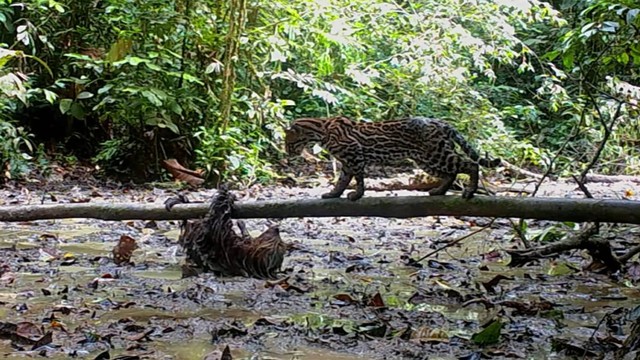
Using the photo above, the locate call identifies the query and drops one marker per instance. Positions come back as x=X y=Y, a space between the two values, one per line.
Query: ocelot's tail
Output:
x=469 y=150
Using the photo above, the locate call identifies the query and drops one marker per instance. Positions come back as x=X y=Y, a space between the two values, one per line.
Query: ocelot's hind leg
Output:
x=340 y=186
x=358 y=172
x=355 y=195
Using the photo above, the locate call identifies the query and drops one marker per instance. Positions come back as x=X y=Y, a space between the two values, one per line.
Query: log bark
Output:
x=557 y=209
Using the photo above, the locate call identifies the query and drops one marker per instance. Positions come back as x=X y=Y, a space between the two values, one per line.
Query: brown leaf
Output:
x=376 y=301
x=103 y=355
x=344 y=298
x=48 y=237
x=179 y=172
x=28 y=330
x=491 y=284
x=219 y=355
x=124 y=249
x=431 y=335
x=58 y=325
x=141 y=336
x=271 y=283
x=45 y=340
x=226 y=354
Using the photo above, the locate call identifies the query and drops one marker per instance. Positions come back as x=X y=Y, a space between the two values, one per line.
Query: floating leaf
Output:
x=124 y=249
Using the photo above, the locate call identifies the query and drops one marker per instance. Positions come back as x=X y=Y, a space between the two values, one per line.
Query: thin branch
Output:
x=449 y=244
x=607 y=134
x=570 y=138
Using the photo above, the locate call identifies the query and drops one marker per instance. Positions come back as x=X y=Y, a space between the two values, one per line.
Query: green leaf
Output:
x=172 y=126
x=50 y=96
x=65 y=105
x=632 y=15
x=84 y=95
x=119 y=50
x=623 y=58
x=105 y=89
x=552 y=55
x=104 y=101
x=78 y=57
x=490 y=334
x=176 y=108
x=134 y=60
x=153 y=67
x=610 y=26
x=568 y=59
x=215 y=66
x=160 y=93
x=77 y=111
x=151 y=97
x=235 y=162
x=560 y=269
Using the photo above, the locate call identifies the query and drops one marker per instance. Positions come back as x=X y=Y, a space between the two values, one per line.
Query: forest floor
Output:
x=353 y=289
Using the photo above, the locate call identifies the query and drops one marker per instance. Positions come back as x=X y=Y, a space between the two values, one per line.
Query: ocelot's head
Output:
x=303 y=132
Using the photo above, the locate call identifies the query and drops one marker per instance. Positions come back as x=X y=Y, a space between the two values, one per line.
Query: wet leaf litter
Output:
x=351 y=288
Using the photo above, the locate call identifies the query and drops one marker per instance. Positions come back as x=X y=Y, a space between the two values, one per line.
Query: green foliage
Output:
x=228 y=155
x=15 y=142
x=213 y=83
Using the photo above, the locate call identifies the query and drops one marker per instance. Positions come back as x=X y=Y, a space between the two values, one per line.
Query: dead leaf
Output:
x=141 y=336
x=124 y=249
x=628 y=193
x=45 y=340
x=345 y=298
x=28 y=330
x=425 y=334
x=48 y=237
x=226 y=354
x=179 y=172
x=376 y=301
x=491 y=284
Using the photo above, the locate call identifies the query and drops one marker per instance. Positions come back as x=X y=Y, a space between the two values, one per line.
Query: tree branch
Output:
x=557 y=209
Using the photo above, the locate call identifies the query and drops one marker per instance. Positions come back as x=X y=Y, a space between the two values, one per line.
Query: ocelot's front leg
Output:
x=340 y=186
x=446 y=182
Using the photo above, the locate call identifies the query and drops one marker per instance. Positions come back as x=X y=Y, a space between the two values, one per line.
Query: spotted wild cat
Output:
x=429 y=142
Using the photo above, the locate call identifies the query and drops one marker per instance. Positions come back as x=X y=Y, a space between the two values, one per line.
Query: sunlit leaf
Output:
x=119 y=50
x=50 y=96
x=105 y=89
x=134 y=60
x=84 y=95
x=215 y=66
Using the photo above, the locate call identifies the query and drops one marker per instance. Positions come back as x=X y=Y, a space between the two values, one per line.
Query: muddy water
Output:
x=190 y=318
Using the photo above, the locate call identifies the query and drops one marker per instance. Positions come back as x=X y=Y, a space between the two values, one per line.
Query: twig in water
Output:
x=457 y=240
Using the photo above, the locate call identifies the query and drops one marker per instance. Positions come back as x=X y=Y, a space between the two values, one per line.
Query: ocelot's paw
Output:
x=354 y=195
x=330 y=195
x=467 y=193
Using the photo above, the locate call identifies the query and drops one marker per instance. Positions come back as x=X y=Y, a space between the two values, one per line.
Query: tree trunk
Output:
x=557 y=209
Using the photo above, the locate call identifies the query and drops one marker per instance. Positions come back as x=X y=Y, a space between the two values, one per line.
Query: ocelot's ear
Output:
x=291 y=131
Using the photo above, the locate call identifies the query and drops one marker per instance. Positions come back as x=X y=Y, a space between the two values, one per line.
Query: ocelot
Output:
x=429 y=142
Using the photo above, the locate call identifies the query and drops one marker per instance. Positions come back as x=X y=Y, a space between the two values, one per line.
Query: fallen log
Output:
x=557 y=209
